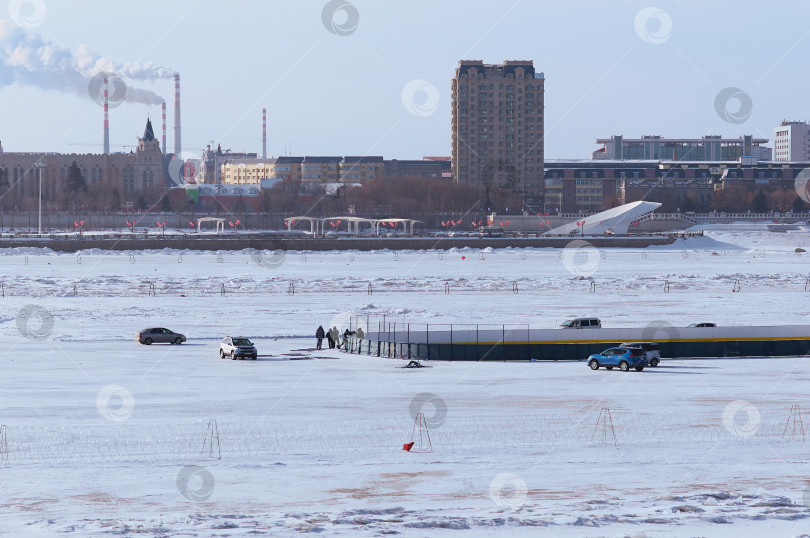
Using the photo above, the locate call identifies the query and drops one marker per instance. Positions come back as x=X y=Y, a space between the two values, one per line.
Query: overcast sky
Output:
x=372 y=77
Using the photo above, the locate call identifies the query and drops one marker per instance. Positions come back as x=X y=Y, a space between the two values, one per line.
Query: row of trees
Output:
x=406 y=196
x=738 y=199
x=403 y=196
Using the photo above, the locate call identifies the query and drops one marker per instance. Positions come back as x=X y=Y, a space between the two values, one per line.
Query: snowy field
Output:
x=102 y=436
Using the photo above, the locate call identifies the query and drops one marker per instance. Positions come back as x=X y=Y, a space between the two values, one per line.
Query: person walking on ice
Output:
x=319 y=334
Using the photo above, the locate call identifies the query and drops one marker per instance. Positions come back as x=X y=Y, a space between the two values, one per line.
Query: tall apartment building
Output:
x=497 y=127
x=791 y=141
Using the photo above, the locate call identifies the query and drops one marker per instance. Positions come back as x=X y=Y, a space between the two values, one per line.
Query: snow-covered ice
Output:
x=103 y=436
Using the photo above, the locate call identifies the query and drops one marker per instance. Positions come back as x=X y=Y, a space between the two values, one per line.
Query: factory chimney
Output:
x=264 y=133
x=177 y=144
x=163 y=106
x=106 y=118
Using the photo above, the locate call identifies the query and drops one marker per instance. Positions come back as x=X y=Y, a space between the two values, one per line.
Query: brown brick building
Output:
x=126 y=172
x=497 y=127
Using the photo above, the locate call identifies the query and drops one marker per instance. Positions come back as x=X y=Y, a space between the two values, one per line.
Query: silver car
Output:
x=651 y=350
x=159 y=335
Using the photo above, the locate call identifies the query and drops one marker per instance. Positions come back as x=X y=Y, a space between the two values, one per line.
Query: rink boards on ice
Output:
x=466 y=344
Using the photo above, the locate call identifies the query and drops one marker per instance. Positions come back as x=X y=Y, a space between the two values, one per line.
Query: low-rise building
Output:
x=320 y=169
x=706 y=148
x=427 y=168
x=590 y=186
x=210 y=165
x=246 y=171
x=127 y=173
x=288 y=168
x=361 y=169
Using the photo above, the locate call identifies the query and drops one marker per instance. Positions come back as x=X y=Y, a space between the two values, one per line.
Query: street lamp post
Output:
x=39 y=165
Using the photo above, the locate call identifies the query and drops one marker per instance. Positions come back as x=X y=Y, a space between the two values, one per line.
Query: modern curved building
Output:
x=615 y=220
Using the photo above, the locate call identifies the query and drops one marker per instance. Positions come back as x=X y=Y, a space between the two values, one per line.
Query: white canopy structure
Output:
x=407 y=225
x=220 y=223
x=353 y=224
x=313 y=223
x=615 y=220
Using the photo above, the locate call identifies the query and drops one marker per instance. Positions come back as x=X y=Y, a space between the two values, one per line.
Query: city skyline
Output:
x=337 y=80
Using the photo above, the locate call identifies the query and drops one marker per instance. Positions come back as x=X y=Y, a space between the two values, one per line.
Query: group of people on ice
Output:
x=333 y=337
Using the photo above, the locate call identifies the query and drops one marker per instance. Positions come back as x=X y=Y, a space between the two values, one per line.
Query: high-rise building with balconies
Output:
x=497 y=127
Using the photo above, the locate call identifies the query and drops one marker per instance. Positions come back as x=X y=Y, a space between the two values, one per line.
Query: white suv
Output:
x=237 y=347
x=582 y=323
x=652 y=351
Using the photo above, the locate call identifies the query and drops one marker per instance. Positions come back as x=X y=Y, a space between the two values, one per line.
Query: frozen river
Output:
x=103 y=436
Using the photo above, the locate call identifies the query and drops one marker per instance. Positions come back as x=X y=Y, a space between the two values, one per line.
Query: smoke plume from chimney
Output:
x=26 y=58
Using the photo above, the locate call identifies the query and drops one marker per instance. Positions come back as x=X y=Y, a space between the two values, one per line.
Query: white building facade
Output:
x=791 y=141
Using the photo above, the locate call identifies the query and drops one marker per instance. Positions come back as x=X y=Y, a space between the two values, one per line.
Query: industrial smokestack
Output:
x=177 y=144
x=106 y=118
x=264 y=133
x=163 y=107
